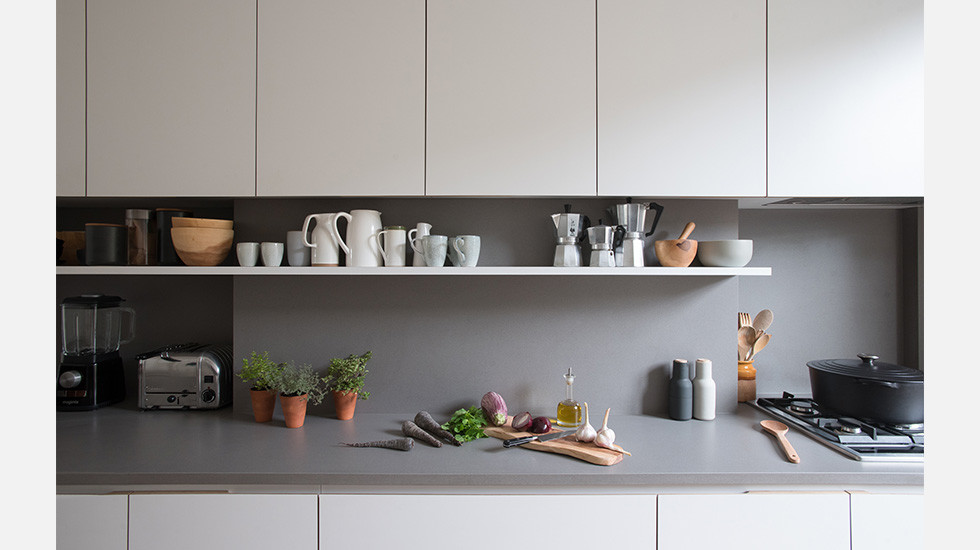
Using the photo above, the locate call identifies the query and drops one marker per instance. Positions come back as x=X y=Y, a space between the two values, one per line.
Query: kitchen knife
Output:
x=542 y=437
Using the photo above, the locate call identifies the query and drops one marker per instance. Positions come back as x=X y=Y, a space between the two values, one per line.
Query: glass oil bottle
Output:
x=569 y=410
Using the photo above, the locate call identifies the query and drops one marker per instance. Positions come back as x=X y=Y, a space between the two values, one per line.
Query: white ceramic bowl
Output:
x=727 y=253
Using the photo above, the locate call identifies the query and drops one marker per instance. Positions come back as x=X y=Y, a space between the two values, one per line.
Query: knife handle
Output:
x=519 y=441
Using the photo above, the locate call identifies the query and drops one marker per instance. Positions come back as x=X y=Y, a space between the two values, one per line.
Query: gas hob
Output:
x=859 y=439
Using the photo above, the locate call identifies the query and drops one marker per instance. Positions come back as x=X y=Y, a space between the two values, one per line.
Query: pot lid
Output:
x=868 y=366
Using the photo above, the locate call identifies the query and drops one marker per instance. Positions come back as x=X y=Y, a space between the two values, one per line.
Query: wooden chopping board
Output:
x=588 y=452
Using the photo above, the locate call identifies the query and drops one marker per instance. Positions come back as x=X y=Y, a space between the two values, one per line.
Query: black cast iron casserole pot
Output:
x=868 y=389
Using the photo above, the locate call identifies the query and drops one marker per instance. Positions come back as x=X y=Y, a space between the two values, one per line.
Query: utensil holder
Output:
x=746 y=381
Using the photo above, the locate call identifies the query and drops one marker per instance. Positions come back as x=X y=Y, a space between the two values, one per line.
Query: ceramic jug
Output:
x=360 y=245
x=324 y=240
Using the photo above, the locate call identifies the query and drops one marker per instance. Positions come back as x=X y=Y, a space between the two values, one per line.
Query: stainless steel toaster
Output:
x=185 y=376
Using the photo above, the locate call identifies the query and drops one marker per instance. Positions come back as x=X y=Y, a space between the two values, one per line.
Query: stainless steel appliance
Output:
x=857 y=438
x=569 y=231
x=185 y=376
x=601 y=239
x=631 y=216
x=90 y=374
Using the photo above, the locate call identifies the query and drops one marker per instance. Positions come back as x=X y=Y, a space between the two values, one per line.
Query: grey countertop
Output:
x=121 y=446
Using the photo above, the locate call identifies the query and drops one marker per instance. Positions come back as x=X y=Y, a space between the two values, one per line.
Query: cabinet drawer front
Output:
x=91 y=522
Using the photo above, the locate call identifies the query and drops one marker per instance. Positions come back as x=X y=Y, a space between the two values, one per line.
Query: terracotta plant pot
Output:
x=344 y=403
x=294 y=409
x=263 y=403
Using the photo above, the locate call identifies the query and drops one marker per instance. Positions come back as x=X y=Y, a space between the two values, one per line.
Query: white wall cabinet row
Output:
x=700 y=98
x=664 y=522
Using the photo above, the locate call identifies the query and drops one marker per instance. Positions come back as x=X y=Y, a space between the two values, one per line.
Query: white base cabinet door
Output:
x=682 y=98
x=744 y=521
x=869 y=512
x=846 y=98
x=510 y=98
x=91 y=522
x=206 y=522
x=171 y=98
x=487 y=522
x=341 y=98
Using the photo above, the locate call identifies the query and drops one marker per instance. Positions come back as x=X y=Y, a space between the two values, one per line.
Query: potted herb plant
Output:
x=345 y=380
x=261 y=372
x=298 y=386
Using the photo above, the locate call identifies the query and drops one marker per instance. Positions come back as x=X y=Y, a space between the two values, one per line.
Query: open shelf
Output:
x=418 y=271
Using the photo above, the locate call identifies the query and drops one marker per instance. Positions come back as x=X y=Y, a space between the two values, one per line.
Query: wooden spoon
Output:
x=779 y=430
x=760 y=343
x=746 y=339
x=762 y=320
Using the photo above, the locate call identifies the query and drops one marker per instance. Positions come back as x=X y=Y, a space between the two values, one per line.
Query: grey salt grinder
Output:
x=680 y=392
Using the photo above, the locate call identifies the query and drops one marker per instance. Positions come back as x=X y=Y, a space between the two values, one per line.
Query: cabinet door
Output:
x=846 y=98
x=171 y=98
x=870 y=513
x=341 y=97
x=205 y=522
x=350 y=521
x=682 y=97
x=742 y=521
x=511 y=97
x=70 y=94
x=91 y=522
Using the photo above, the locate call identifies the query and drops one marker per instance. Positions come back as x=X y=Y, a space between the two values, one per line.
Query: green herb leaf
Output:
x=467 y=424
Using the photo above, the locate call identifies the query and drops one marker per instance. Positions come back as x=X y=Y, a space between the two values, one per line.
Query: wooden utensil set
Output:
x=752 y=336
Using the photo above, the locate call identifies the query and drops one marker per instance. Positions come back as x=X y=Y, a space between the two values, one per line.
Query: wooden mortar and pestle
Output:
x=677 y=252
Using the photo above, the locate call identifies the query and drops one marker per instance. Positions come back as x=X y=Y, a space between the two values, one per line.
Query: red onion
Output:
x=521 y=422
x=540 y=425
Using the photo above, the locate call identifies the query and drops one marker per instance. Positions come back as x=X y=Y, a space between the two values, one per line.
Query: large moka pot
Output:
x=569 y=230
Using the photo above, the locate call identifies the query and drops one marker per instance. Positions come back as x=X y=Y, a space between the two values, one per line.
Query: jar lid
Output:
x=869 y=367
x=105 y=224
x=395 y=227
x=137 y=214
x=97 y=300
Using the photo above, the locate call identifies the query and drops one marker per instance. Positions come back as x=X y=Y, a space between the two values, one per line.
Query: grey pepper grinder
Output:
x=680 y=392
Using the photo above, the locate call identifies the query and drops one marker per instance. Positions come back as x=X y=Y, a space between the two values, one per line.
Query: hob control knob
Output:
x=171 y=398
x=208 y=395
x=70 y=379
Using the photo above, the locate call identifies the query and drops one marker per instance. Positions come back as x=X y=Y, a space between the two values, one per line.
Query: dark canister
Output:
x=680 y=392
x=166 y=255
x=105 y=244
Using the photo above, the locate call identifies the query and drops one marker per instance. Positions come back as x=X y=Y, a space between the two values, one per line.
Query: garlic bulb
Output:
x=605 y=436
x=585 y=432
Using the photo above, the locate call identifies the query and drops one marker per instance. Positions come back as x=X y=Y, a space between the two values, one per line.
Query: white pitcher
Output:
x=360 y=245
x=325 y=239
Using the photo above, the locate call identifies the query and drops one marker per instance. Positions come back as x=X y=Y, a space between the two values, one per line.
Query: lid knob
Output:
x=868 y=359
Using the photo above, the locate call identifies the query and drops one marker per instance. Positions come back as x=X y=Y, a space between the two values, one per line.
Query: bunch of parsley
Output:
x=467 y=424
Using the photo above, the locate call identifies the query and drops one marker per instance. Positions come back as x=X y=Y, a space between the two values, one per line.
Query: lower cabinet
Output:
x=91 y=522
x=751 y=520
x=869 y=512
x=207 y=522
x=491 y=522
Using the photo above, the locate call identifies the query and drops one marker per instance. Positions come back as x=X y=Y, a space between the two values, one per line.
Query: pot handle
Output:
x=870 y=382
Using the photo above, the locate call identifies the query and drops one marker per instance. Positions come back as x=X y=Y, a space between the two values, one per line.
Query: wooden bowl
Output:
x=183 y=221
x=202 y=246
x=676 y=252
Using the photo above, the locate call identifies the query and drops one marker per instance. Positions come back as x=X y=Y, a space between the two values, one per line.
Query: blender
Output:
x=632 y=218
x=569 y=229
x=601 y=237
x=90 y=374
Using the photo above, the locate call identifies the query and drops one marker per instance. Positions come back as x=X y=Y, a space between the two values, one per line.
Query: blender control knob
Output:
x=208 y=395
x=70 y=379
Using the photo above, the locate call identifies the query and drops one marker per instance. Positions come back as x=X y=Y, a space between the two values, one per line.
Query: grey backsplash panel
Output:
x=835 y=289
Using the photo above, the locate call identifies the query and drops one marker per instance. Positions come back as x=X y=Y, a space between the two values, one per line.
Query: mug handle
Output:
x=377 y=238
x=336 y=232
x=462 y=257
x=306 y=226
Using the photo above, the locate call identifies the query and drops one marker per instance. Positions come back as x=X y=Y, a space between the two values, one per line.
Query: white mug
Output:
x=434 y=250
x=415 y=240
x=272 y=254
x=297 y=253
x=393 y=249
x=467 y=250
x=360 y=245
x=248 y=254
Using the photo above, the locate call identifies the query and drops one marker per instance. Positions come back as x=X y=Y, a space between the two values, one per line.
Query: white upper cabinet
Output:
x=70 y=144
x=846 y=102
x=511 y=98
x=341 y=97
x=171 y=98
x=682 y=97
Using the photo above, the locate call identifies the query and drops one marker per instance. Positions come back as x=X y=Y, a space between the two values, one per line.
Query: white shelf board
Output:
x=416 y=271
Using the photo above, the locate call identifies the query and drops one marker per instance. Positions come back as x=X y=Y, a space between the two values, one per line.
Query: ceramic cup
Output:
x=434 y=250
x=272 y=254
x=415 y=241
x=248 y=254
x=391 y=243
x=465 y=250
x=297 y=253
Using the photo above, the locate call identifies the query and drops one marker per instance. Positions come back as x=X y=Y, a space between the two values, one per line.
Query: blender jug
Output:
x=94 y=325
